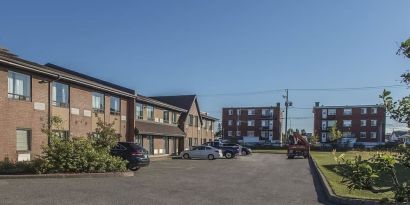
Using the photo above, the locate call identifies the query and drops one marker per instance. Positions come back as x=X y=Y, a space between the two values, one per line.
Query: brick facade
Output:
x=361 y=118
x=237 y=123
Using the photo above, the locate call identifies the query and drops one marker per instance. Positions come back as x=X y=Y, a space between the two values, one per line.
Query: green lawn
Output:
x=271 y=151
x=326 y=163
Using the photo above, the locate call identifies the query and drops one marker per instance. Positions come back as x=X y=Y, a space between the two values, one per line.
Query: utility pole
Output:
x=287 y=104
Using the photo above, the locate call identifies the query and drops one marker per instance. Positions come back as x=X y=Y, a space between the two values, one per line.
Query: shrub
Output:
x=27 y=167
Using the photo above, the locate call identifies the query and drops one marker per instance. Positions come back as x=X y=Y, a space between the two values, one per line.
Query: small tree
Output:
x=104 y=137
x=314 y=139
x=334 y=136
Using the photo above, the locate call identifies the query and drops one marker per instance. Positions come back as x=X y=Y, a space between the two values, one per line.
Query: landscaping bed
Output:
x=327 y=164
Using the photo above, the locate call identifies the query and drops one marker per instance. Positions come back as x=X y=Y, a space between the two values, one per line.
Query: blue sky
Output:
x=229 y=46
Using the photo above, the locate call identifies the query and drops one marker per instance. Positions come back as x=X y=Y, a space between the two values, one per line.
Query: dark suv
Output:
x=136 y=155
x=228 y=151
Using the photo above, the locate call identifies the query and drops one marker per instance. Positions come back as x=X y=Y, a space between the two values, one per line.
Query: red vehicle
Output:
x=298 y=146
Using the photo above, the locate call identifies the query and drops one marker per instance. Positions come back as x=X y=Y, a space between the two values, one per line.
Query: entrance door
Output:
x=150 y=145
x=166 y=145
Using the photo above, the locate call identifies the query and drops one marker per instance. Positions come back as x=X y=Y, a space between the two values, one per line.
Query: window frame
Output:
x=150 y=117
x=344 y=123
x=119 y=106
x=174 y=118
x=98 y=110
x=347 y=113
x=163 y=116
x=139 y=114
x=13 y=95
x=375 y=123
x=56 y=103
x=191 y=120
x=29 y=139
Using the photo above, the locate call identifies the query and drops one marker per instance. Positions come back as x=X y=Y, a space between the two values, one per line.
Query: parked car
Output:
x=136 y=155
x=202 y=152
x=228 y=152
x=243 y=150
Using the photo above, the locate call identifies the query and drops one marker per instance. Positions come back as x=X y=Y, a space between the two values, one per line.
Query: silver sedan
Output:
x=201 y=152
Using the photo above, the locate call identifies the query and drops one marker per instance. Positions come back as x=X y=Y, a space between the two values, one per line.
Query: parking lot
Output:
x=256 y=179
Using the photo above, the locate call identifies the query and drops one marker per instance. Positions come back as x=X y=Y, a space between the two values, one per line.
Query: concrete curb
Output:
x=329 y=193
x=75 y=175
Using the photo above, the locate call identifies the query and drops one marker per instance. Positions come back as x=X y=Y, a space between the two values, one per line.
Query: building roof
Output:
x=64 y=74
x=152 y=101
x=206 y=116
x=72 y=72
x=347 y=106
x=181 y=101
x=161 y=129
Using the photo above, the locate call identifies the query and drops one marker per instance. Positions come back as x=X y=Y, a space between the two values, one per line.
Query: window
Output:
x=230 y=112
x=238 y=111
x=266 y=134
x=138 y=140
x=363 y=111
x=251 y=133
x=230 y=133
x=98 y=102
x=324 y=125
x=23 y=139
x=373 y=135
x=267 y=112
x=238 y=123
x=139 y=111
x=114 y=105
x=62 y=134
x=191 y=120
x=211 y=125
x=267 y=123
x=230 y=122
x=166 y=116
x=196 y=141
x=362 y=134
x=374 y=110
x=19 y=86
x=363 y=123
x=60 y=95
x=331 y=111
x=331 y=123
x=150 y=113
x=373 y=123
x=251 y=112
x=347 y=134
x=347 y=111
x=190 y=142
x=174 y=118
x=251 y=123
x=324 y=136
x=238 y=133
x=196 y=121
x=347 y=123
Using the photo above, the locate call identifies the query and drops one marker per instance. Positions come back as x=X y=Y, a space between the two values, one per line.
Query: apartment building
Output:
x=262 y=122
x=30 y=94
x=197 y=126
x=364 y=124
x=156 y=126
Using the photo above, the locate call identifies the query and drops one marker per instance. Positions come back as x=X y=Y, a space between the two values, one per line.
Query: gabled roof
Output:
x=181 y=101
x=141 y=98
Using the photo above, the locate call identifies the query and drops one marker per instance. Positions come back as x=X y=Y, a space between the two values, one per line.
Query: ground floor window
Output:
x=190 y=142
x=138 y=140
x=150 y=145
x=166 y=145
x=62 y=134
x=23 y=139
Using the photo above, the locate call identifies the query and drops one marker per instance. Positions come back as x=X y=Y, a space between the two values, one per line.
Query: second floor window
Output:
x=347 y=123
x=150 y=113
x=191 y=120
x=60 y=95
x=98 y=102
x=19 y=86
x=174 y=118
x=347 y=111
x=166 y=116
x=196 y=121
x=251 y=123
x=114 y=105
x=139 y=111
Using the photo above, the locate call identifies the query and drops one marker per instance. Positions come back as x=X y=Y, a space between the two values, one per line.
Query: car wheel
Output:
x=211 y=157
x=244 y=153
x=134 y=168
x=228 y=155
x=186 y=156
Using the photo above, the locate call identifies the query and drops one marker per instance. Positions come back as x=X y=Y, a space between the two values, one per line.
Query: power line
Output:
x=341 y=89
